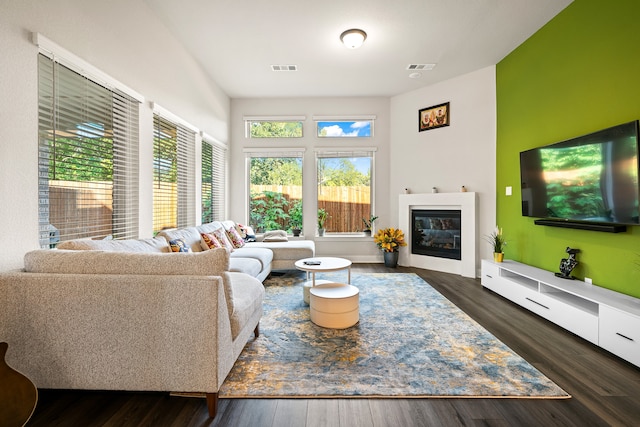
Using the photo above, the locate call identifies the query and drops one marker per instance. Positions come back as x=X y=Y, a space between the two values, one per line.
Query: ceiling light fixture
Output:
x=353 y=38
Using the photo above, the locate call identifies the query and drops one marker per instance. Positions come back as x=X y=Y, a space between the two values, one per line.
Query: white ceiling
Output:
x=237 y=41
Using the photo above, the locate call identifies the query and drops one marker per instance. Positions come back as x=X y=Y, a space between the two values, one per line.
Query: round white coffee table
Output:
x=326 y=264
x=335 y=305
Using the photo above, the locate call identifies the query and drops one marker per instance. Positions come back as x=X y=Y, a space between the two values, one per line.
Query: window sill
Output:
x=344 y=236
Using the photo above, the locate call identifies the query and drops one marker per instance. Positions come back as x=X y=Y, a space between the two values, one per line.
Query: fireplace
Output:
x=436 y=233
x=464 y=244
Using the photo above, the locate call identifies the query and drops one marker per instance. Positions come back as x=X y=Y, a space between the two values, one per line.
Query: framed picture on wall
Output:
x=434 y=117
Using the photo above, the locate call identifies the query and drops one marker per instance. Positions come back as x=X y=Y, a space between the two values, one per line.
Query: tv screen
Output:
x=591 y=178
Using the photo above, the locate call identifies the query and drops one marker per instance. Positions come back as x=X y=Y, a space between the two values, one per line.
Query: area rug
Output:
x=410 y=342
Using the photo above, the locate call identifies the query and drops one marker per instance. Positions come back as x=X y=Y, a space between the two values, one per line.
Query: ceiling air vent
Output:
x=284 y=68
x=419 y=67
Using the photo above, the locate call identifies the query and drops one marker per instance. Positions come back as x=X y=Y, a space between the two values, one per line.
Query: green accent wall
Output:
x=578 y=74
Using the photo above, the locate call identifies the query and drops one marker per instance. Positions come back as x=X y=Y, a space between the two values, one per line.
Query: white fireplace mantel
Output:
x=466 y=203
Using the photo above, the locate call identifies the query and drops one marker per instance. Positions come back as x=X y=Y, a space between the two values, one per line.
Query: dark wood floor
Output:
x=605 y=389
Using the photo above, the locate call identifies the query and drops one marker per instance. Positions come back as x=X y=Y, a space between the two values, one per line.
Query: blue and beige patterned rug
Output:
x=410 y=342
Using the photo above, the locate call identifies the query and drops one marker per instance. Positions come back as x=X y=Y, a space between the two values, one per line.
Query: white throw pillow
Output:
x=275 y=236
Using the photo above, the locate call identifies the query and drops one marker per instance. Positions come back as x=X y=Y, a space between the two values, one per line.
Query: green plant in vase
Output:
x=322 y=218
x=368 y=224
x=498 y=242
x=295 y=217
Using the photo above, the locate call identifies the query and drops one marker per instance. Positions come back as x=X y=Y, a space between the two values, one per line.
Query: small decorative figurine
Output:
x=568 y=264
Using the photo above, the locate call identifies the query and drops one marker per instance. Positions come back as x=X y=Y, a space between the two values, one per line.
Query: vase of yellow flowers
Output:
x=389 y=240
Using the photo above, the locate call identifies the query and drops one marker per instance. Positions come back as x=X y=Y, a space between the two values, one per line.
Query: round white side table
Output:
x=325 y=264
x=334 y=305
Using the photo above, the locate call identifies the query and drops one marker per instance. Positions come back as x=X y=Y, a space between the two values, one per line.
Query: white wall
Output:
x=121 y=38
x=448 y=157
x=125 y=40
x=358 y=249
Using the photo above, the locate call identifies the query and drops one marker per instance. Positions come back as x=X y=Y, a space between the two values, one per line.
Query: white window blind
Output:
x=173 y=174
x=273 y=152
x=87 y=157
x=207 y=183
x=214 y=172
x=327 y=153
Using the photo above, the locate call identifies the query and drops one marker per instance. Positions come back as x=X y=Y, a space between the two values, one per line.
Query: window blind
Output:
x=214 y=172
x=274 y=152
x=87 y=157
x=327 y=153
x=186 y=177
x=207 y=183
x=174 y=175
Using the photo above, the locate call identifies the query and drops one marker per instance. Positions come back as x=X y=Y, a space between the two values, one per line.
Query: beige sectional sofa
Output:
x=131 y=315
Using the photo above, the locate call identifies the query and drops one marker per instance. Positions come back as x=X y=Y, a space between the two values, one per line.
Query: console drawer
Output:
x=620 y=334
x=581 y=322
x=490 y=275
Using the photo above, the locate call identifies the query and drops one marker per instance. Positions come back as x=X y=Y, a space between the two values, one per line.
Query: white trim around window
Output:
x=61 y=55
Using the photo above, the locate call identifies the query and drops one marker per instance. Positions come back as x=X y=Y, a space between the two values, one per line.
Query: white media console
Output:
x=604 y=317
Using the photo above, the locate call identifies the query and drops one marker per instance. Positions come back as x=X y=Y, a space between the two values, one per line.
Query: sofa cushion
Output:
x=247 y=297
x=210 y=227
x=191 y=236
x=227 y=224
x=263 y=255
x=179 y=245
x=210 y=263
x=156 y=244
x=291 y=250
x=234 y=236
x=275 y=236
x=250 y=266
x=209 y=241
x=221 y=235
x=246 y=232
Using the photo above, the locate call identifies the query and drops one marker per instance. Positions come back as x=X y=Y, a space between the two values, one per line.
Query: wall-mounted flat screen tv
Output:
x=588 y=179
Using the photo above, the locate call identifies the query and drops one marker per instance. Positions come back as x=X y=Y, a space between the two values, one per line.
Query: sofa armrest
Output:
x=117 y=332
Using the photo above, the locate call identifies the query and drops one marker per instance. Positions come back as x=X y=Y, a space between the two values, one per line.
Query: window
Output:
x=87 y=157
x=345 y=186
x=173 y=174
x=344 y=126
x=275 y=179
x=345 y=129
x=214 y=162
x=274 y=127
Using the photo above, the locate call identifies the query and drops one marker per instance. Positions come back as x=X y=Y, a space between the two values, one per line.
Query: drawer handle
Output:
x=489 y=276
x=536 y=302
x=624 y=336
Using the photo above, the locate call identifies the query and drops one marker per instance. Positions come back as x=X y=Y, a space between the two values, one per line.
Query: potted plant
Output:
x=389 y=240
x=368 y=224
x=322 y=218
x=497 y=241
x=296 y=228
x=295 y=218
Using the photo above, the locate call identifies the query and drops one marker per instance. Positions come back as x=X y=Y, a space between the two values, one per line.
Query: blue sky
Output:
x=345 y=129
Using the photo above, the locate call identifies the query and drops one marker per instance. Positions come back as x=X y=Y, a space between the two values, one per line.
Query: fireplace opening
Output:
x=436 y=233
